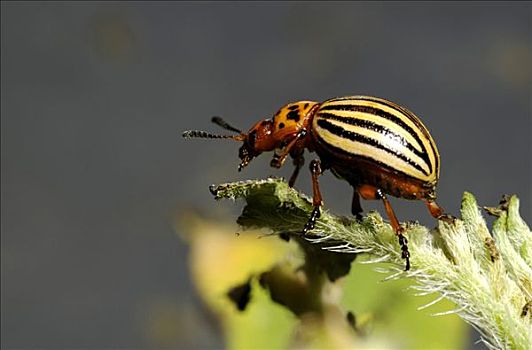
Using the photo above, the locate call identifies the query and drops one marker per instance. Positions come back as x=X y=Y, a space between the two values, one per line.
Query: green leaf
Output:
x=487 y=276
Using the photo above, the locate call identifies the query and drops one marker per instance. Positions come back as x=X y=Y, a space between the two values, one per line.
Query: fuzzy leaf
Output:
x=488 y=276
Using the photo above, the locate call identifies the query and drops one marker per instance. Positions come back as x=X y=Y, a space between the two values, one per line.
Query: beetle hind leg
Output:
x=370 y=192
x=438 y=213
x=403 y=242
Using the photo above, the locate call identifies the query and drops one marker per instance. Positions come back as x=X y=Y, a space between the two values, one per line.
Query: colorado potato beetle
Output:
x=377 y=146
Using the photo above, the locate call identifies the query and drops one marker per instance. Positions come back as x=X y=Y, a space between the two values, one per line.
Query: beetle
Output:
x=379 y=147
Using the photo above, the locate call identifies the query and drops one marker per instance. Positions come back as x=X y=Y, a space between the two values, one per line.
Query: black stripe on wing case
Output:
x=346 y=134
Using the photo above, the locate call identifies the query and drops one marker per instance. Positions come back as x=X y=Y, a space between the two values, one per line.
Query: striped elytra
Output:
x=377 y=146
x=379 y=131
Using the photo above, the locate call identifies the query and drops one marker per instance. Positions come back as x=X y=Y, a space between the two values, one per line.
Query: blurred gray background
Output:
x=95 y=96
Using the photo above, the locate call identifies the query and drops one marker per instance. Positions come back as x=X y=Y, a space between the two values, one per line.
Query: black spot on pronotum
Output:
x=293 y=115
x=293 y=108
x=281 y=125
x=305 y=106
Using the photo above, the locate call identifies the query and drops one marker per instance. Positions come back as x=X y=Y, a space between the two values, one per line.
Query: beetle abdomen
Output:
x=380 y=132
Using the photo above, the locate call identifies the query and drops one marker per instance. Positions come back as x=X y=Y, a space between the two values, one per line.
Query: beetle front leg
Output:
x=279 y=158
x=370 y=192
x=298 y=163
x=315 y=170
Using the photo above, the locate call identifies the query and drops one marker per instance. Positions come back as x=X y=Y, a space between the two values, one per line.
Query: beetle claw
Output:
x=448 y=219
x=312 y=220
x=405 y=254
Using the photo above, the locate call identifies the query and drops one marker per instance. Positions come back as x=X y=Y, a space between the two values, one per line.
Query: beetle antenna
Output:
x=220 y=122
x=206 y=135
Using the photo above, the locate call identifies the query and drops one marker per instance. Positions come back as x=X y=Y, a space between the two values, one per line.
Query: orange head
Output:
x=267 y=135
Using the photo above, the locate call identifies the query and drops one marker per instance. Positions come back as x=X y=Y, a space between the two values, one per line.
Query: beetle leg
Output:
x=298 y=163
x=403 y=242
x=438 y=213
x=315 y=170
x=356 y=208
x=370 y=192
x=279 y=158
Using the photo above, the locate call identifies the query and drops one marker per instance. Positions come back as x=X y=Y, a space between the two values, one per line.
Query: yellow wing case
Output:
x=379 y=131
